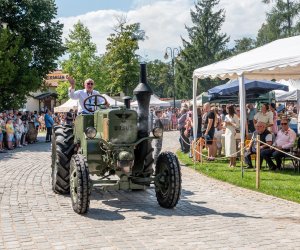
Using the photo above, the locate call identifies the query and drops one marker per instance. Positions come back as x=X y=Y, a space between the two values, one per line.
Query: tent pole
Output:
x=195 y=115
x=242 y=95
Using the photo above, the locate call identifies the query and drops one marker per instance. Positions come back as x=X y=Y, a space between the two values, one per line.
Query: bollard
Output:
x=257 y=162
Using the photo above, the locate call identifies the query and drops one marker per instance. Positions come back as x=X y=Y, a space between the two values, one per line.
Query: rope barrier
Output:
x=277 y=149
x=224 y=157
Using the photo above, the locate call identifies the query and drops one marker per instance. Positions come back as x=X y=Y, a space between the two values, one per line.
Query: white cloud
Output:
x=164 y=22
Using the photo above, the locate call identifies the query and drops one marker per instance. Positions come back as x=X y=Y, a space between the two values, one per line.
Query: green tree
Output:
x=62 y=90
x=159 y=77
x=243 y=45
x=36 y=41
x=206 y=45
x=120 y=61
x=282 y=21
x=83 y=61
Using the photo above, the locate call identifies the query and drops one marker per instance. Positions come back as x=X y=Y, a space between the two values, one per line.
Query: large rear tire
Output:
x=168 y=180
x=62 y=150
x=80 y=188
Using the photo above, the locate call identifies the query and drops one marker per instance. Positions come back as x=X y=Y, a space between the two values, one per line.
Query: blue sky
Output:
x=162 y=20
x=68 y=8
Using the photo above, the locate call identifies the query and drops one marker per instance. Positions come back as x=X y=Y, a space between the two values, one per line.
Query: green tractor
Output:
x=111 y=149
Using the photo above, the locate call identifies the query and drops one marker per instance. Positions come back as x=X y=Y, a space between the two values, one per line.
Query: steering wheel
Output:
x=94 y=102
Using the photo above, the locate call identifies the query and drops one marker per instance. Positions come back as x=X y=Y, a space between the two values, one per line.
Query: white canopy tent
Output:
x=277 y=60
x=73 y=104
x=292 y=95
x=154 y=102
x=70 y=104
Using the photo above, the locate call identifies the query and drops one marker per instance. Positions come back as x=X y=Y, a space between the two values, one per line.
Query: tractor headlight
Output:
x=90 y=132
x=158 y=132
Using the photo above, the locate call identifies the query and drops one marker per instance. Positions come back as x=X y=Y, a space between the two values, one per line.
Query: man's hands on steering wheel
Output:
x=94 y=102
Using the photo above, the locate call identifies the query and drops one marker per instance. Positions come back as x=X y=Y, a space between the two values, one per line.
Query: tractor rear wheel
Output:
x=168 y=180
x=62 y=150
x=80 y=188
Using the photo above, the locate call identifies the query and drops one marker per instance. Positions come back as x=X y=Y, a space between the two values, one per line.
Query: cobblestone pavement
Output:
x=210 y=214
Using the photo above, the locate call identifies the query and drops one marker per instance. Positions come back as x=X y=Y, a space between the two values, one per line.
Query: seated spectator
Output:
x=284 y=141
x=265 y=136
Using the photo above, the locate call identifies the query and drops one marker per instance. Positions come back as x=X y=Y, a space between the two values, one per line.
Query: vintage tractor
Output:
x=114 y=147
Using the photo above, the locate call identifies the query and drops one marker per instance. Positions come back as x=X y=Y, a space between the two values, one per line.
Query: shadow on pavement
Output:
x=145 y=201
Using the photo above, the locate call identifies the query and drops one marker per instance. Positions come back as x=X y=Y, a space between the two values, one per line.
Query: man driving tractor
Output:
x=83 y=95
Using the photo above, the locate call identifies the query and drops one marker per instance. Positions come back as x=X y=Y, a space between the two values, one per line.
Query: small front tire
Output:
x=80 y=189
x=168 y=180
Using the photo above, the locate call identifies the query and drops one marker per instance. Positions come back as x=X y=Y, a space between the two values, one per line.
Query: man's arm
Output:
x=292 y=139
x=210 y=122
x=71 y=91
x=268 y=141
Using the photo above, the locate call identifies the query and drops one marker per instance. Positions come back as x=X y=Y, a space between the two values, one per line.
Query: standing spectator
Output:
x=274 y=128
x=209 y=130
x=10 y=132
x=251 y=111
x=25 y=120
x=231 y=124
x=157 y=142
x=49 y=123
x=19 y=130
x=42 y=122
x=181 y=126
x=35 y=119
x=2 y=129
x=264 y=116
x=70 y=117
x=174 y=120
x=223 y=112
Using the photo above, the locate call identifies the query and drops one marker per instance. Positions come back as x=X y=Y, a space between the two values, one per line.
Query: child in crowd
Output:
x=10 y=132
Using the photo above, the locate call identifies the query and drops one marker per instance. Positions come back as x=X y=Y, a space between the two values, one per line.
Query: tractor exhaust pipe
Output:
x=127 y=101
x=143 y=94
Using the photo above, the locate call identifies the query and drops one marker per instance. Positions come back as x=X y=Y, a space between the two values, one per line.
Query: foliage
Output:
x=207 y=45
x=243 y=45
x=15 y=70
x=31 y=44
x=283 y=184
x=83 y=63
x=282 y=21
x=120 y=61
x=62 y=90
x=159 y=77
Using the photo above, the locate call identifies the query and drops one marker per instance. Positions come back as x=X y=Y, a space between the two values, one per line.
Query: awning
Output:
x=45 y=95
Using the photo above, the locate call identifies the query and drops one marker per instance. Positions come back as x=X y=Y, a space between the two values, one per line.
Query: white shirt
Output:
x=81 y=95
x=285 y=139
x=266 y=118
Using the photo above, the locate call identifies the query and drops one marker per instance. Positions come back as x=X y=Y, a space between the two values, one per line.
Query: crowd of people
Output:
x=18 y=129
x=217 y=122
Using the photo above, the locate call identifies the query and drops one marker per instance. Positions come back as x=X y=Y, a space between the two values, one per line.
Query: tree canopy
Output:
x=83 y=61
x=121 y=62
x=282 y=21
x=206 y=45
x=31 y=44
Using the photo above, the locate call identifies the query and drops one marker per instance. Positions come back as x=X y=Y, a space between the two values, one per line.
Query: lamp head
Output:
x=166 y=56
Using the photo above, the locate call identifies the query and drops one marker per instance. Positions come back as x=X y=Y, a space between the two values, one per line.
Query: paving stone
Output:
x=210 y=214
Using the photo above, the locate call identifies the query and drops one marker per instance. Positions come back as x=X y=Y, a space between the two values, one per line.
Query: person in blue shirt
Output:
x=49 y=123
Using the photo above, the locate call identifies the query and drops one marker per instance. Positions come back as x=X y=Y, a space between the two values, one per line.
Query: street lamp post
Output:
x=173 y=53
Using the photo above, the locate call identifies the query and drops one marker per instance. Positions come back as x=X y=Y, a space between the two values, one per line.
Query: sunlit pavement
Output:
x=210 y=214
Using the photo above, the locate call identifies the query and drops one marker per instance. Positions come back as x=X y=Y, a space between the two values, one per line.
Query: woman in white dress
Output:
x=231 y=123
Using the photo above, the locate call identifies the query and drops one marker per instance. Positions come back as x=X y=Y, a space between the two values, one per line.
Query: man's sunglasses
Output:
x=90 y=83
x=283 y=123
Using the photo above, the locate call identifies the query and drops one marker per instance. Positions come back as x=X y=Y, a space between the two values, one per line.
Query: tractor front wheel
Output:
x=168 y=180
x=79 y=184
